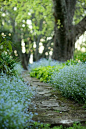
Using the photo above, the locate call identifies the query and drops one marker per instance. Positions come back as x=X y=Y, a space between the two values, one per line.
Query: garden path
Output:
x=49 y=106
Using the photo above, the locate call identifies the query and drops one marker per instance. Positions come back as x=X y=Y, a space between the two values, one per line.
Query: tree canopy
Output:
x=33 y=21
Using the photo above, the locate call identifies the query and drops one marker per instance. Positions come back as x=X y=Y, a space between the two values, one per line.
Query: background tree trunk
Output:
x=25 y=60
x=64 y=36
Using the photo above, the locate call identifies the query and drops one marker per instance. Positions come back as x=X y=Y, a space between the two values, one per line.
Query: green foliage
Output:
x=7 y=64
x=71 y=62
x=75 y=126
x=79 y=55
x=44 y=73
x=5 y=34
x=35 y=24
x=5 y=44
x=80 y=11
x=38 y=125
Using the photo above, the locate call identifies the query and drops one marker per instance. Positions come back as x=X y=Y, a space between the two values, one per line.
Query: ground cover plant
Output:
x=44 y=72
x=14 y=101
x=38 y=125
x=71 y=80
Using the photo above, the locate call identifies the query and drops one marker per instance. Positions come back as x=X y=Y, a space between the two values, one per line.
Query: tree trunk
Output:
x=37 y=49
x=37 y=40
x=64 y=45
x=65 y=33
x=25 y=60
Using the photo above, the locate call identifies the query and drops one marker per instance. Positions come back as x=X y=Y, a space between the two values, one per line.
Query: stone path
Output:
x=51 y=107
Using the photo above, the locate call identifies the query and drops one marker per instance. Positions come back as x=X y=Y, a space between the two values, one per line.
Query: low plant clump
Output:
x=7 y=63
x=71 y=80
x=44 y=72
x=79 y=55
x=37 y=125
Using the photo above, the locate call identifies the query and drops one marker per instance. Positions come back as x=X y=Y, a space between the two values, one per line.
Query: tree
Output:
x=39 y=13
x=65 y=33
x=9 y=13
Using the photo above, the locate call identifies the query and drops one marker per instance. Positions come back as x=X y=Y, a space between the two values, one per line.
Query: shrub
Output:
x=79 y=55
x=14 y=101
x=71 y=62
x=7 y=64
x=71 y=80
x=44 y=73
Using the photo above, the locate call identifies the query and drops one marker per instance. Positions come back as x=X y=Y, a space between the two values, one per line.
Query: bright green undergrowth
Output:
x=37 y=125
x=79 y=55
x=75 y=126
x=44 y=72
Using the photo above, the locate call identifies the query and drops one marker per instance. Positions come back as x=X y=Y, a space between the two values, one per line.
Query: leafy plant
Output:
x=5 y=45
x=44 y=73
x=71 y=62
x=79 y=55
x=7 y=64
x=38 y=125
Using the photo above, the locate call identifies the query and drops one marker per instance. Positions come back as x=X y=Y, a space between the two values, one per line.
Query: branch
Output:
x=80 y=28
